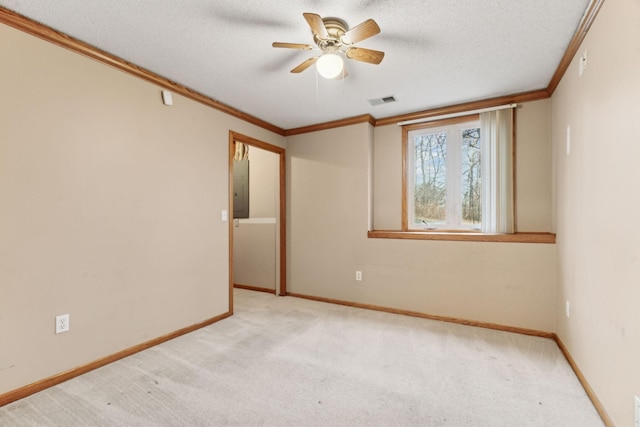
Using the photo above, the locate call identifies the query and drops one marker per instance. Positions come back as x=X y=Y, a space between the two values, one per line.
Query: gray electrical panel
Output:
x=241 y=189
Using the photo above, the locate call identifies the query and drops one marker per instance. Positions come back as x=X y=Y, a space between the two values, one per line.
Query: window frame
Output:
x=440 y=235
x=405 y=170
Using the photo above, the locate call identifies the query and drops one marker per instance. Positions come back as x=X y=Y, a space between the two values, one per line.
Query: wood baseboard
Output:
x=254 y=288
x=587 y=388
x=37 y=386
x=532 y=332
x=466 y=322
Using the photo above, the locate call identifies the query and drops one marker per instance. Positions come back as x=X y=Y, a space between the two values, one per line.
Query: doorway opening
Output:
x=235 y=139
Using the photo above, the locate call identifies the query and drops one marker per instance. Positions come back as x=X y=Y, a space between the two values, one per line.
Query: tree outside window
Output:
x=443 y=176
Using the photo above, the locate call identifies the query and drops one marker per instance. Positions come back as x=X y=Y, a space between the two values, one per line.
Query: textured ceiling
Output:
x=438 y=52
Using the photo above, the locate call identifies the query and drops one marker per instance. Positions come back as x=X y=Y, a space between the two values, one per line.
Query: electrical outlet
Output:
x=359 y=276
x=568 y=309
x=637 y=411
x=62 y=323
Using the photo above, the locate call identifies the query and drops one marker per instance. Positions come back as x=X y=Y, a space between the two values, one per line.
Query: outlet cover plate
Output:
x=62 y=323
x=584 y=62
x=637 y=411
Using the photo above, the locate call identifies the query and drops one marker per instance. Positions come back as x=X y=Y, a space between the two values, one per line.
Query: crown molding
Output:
x=46 y=33
x=58 y=38
x=578 y=37
x=466 y=106
x=364 y=118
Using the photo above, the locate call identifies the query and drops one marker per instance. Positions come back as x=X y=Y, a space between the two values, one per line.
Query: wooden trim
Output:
x=30 y=389
x=585 y=384
x=467 y=106
x=443 y=122
x=458 y=108
x=478 y=324
x=487 y=325
x=283 y=224
x=41 y=31
x=524 y=237
x=235 y=136
x=365 y=118
x=535 y=95
x=405 y=179
x=58 y=38
x=254 y=288
x=574 y=44
x=514 y=166
x=231 y=154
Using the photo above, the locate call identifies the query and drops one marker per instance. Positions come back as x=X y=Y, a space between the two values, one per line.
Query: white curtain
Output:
x=496 y=130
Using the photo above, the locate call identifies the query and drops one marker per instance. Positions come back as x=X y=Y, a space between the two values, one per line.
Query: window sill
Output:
x=464 y=237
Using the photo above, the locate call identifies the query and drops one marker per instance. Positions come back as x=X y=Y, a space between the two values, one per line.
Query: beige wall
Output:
x=327 y=175
x=597 y=207
x=533 y=166
x=255 y=246
x=110 y=209
x=328 y=178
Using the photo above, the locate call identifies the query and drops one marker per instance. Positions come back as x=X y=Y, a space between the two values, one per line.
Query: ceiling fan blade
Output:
x=292 y=45
x=317 y=25
x=368 y=28
x=306 y=64
x=365 y=55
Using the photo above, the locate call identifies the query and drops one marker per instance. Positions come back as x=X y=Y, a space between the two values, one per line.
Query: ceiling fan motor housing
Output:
x=336 y=29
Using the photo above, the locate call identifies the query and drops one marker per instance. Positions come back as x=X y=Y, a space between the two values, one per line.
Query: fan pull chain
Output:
x=317 y=93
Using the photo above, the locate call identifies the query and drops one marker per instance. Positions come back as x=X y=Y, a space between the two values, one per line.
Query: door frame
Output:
x=233 y=137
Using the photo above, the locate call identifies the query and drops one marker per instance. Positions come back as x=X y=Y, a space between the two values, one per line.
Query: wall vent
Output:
x=380 y=101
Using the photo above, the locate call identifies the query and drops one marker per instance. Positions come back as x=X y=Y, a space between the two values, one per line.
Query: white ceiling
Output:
x=437 y=52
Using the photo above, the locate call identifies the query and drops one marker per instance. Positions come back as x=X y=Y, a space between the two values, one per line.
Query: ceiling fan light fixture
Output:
x=330 y=65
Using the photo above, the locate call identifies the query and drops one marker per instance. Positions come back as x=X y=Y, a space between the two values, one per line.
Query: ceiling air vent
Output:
x=380 y=101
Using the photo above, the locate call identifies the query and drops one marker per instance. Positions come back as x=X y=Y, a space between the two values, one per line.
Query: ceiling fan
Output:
x=334 y=40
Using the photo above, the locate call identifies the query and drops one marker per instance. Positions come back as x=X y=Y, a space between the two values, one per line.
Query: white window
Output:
x=458 y=174
x=444 y=175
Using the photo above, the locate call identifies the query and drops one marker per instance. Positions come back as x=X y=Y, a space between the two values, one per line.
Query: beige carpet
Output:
x=292 y=362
